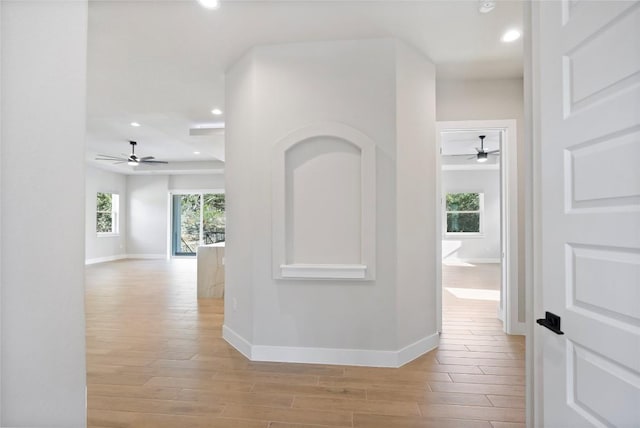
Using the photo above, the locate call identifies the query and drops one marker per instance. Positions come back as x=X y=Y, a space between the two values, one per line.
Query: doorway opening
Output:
x=476 y=192
x=196 y=219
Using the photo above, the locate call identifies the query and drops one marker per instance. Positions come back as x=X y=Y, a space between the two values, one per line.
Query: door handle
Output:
x=551 y=321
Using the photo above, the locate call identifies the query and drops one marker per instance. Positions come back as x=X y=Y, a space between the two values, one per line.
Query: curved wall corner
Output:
x=324 y=198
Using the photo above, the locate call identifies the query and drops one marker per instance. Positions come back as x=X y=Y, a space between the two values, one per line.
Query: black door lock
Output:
x=551 y=321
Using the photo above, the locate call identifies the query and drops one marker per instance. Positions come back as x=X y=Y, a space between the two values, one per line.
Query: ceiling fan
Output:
x=482 y=154
x=132 y=160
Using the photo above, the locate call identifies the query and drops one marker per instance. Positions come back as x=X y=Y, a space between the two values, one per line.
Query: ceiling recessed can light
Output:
x=216 y=111
x=135 y=124
x=196 y=153
x=511 y=36
x=210 y=4
x=486 y=6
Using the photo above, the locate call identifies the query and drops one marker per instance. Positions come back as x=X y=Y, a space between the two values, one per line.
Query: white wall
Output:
x=487 y=100
x=196 y=182
x=147 y=219
x=415 y=193
x=43 y=123
x=104 y=248
x=354 y=83
x=474 y=248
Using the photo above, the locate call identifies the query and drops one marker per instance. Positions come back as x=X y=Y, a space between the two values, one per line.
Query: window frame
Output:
x=480 y=212
x=172 y=226
x=115 y=215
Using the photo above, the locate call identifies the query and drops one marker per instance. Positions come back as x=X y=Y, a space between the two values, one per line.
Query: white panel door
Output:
x=589 y=87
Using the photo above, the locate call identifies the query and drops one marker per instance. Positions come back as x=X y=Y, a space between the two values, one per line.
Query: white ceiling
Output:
x=162 y=63
x=459 y=147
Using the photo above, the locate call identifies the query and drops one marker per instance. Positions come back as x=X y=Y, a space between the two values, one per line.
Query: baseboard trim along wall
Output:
x=146 y=256
x=105 y=259
x=122 y=257
x=351 y=357
x=519 y=329
x=476 y=261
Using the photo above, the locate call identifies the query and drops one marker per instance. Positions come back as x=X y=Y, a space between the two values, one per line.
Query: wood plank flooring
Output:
x=155 y=358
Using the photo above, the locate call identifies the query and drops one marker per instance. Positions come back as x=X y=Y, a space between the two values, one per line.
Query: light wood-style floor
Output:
x=156 y=359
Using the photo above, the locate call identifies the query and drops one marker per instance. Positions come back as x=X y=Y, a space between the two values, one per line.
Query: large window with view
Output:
x=107 y=210
x=464 y=213
x=198 y=219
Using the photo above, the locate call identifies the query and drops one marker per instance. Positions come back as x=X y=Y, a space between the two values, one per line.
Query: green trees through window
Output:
x=107 y=206
x=198 y=219
x=463 y=212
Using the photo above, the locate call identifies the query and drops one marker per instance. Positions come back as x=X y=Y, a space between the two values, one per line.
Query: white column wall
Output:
x=42 y=196
x=148 y=216
x=415 y=193
x=276 y=90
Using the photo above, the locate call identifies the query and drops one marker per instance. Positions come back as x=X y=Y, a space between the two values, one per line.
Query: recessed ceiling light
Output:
x=196 y=153
x=210 y=4
x=486 y=6
x=136 y=124
x=511 y=36
x=216 y=111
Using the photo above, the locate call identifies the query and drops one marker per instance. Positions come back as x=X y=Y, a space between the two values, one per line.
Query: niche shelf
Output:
x=324 y=204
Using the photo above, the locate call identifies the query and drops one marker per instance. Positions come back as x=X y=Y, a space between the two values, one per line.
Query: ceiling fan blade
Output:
x=479 y=150
x=466 y=154
x=110 y=158
x=493 y=152
x=473 y=157
x=146 y=158
x=152 y=161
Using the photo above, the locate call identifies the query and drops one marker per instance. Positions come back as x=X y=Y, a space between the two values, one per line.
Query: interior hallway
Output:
x=155 y=358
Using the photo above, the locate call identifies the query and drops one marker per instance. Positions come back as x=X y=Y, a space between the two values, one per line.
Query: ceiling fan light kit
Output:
x=481 y=155
x=132 y=160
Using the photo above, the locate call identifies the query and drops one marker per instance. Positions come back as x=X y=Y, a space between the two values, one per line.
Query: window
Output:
x=107 y=207
x=198 y=218
x=464 y=212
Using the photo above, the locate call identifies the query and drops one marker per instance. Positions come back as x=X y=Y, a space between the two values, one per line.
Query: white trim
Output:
x=107 y=234
x=470 y=167
x=323 y=271
x=439 y=207
x=105 y=259
x=124 y=256
x=519 y=328
x=367 y=191
x=237 y=341
x=418 y=348
x=351 y=357
x=533 y=214
x=509 y=206
x=477 y=261
x=146 y=256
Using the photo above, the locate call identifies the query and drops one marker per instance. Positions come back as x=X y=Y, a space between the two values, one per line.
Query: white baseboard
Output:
x=417 y=349
x=105 y=259
x=146 y=256
x=237 y=341
x=475 y=261
x=122 y=257
x=518 y=329
x=350 y=357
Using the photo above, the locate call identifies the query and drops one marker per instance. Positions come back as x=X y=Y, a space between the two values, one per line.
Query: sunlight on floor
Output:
x=475 y=294
x=456 y=262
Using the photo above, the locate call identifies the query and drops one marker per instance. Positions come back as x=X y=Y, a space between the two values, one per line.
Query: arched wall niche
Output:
x=324 y=204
